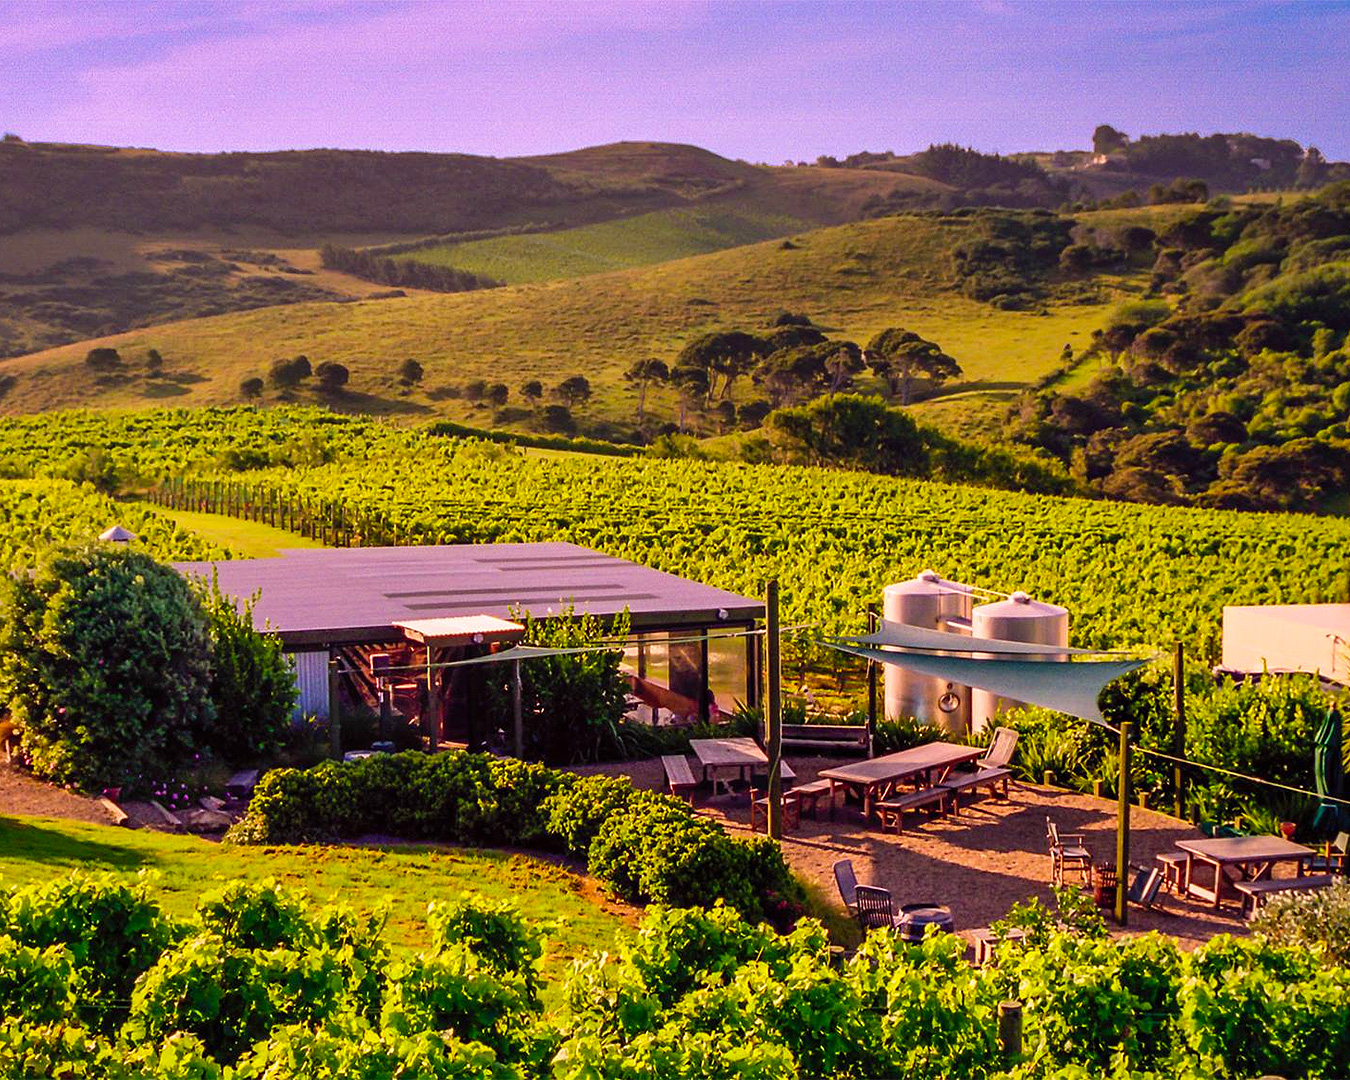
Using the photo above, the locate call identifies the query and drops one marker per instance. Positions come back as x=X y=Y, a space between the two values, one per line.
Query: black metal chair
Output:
x=874 y=908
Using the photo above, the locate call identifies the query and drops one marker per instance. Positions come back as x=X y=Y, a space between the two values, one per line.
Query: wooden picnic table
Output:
x=874 y=778
x=741 y=754
x=1250 y=857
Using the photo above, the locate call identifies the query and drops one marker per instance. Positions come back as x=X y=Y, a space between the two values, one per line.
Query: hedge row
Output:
x=259 y=984
x=647 y=847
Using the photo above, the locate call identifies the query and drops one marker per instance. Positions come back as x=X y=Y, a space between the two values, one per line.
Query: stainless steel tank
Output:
x=929 y=602
x=1018 y=618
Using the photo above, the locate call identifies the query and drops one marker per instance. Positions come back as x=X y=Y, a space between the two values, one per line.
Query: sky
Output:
x=758 y=81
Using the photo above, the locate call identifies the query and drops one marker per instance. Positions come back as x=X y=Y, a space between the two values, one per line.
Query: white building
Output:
x=1289 y=637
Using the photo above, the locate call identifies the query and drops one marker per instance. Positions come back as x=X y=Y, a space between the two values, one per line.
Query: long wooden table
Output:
x=1251 y=857
x=873 y=779
x=742 y=754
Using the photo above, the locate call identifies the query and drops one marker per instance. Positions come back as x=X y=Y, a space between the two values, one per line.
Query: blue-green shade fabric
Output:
x=1071 y=688
x=899 y=636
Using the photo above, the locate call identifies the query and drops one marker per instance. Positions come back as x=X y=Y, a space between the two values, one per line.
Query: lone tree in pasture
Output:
x=692 y=384
x=154 y=362
x=410 y=372
x=104 y=360
x=251 y=388
x=533 y=393
x=474 y=389
x=558 y=420
x=498 y=394
x=332 y=377
x=641 y=374
x=727 y=354
x=900 y=356
x=1107 y=140
x=573 y=390
x=286 y=374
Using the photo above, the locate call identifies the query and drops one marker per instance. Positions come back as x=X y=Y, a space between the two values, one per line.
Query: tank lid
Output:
x=1019 y=606
x=928 y=583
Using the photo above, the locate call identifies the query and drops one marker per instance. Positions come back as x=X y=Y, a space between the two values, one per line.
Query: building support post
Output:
x=1123 y=829
x=517 y=707
x=335 y=707
x=773 y=725
x=1179 y=732
x=704 y=691
x=872 y=622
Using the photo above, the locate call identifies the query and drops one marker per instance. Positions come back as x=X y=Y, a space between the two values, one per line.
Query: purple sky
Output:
x=760 y=81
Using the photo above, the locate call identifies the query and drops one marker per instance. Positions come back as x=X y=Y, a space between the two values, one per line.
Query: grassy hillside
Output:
x=612 y=245
x=852 y=280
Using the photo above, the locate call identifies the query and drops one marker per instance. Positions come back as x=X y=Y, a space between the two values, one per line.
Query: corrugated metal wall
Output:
x=311 y=676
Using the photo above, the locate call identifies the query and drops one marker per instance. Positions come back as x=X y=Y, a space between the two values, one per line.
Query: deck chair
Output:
x=1145 y=881
x=847 y=884
x=874 y=908
x=1336 y=857
x=990 y=771
x=1000 y=750
x=1066 y=851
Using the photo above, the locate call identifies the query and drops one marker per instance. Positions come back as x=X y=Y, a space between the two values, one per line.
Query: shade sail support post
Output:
x=773 y=725
x=1123 y=829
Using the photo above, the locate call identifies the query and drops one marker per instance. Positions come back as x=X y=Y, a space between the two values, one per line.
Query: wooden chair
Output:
x=874 y=909
x=1335 y=857
x=1144 y=886
x=1067 y=850
x=847 y=884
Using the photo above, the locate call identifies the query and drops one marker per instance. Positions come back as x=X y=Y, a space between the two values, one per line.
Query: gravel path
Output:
x=978 y=863
x=21 y=794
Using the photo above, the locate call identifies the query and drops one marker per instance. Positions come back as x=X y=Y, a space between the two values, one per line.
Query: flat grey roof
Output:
x=321 y=596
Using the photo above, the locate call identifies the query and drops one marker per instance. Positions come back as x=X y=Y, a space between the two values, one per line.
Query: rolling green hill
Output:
x=853 y=280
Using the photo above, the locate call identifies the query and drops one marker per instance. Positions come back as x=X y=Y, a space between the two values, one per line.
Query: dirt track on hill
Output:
x=20 y=794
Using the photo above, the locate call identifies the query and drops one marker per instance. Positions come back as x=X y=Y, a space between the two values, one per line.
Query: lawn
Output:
x=250 y=539
x=182 y=867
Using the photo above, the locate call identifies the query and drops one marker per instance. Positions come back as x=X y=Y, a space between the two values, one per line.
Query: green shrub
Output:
x=1310 y=920
x=645 y=846
x=233 y=998
x=110 y=932
x=252 y=682
x=34 y=984
x=494 y=933
x=61 y=1049
x=105 y=664
x=262 y=915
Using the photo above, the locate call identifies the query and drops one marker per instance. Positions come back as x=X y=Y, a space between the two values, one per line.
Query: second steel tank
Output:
x=1018 y=618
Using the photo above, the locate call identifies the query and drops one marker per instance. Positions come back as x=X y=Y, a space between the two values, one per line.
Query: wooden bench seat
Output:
x=792 y=812
x=679 y=775
x=957 y=782
x=1255 y=892
x=809 y=795
x=892 y=811
x=849 y=737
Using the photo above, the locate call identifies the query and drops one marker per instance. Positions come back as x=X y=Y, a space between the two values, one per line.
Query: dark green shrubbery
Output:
x=646 y=846
x=105 y=664
x=256 y=982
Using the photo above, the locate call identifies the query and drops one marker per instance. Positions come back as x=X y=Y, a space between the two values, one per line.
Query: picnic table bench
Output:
x=1254 y=893
x=876 y=779
x=679 y=775
x=1235 y=861
x=892 y=811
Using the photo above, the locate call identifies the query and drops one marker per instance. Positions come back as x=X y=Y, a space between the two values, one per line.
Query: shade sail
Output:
x=899 y=636
x=1070 y=688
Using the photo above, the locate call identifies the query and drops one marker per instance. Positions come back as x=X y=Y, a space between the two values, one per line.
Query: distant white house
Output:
x=1289 y=637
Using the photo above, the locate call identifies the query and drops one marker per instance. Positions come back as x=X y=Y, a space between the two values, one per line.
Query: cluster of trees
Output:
x=403 y=273
x=290 y=372
x=1010 y=255
x=1233 y=161
x=1230 y=387
x=792 y=362
x=117 y=671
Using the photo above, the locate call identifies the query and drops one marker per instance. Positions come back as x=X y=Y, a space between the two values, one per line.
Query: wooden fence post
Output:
x=1123 y=829
x=773 y=721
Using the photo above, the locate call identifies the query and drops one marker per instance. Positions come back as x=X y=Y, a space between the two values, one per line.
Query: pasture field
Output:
x=656 y=237
x=853 y=280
